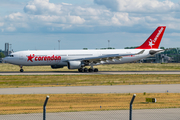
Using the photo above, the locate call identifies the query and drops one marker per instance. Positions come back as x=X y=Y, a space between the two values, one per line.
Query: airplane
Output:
x=79 y=59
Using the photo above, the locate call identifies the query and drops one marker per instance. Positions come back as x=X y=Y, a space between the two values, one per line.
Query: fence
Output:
x=95 y=106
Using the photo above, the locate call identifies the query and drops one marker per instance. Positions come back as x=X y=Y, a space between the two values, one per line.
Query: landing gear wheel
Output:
x=80 y=70
x=21 y=70
x=85 y=70
x=90 y=70
x=95 y=70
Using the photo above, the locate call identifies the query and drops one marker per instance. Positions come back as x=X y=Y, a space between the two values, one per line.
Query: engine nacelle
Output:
x=56 y=66
x=74 y=64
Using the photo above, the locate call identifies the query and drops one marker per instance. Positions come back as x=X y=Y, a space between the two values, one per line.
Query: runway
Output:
x=87 y=73
x=171 y=88
x=145 y=114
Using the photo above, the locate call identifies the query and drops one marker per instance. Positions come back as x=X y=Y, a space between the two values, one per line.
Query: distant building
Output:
x=7 y=51
x=158 y=58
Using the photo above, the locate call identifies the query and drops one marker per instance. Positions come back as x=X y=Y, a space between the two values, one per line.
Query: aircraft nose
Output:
x=4 y=60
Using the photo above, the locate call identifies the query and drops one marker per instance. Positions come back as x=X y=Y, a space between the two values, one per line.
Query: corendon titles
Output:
x=159 y=32
x=43 y=58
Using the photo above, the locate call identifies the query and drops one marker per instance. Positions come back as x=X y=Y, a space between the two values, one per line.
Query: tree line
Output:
x=1 y=54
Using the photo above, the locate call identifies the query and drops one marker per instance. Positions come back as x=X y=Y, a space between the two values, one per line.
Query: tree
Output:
x=162 y=48
x=131 y=47
x=2 y=55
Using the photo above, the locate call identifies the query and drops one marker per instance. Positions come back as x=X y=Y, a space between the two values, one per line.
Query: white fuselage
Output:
x=60 y=57
x=78 y=59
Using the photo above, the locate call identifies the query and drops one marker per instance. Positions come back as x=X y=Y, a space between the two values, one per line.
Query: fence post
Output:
x=44 y=108
x=130 y=112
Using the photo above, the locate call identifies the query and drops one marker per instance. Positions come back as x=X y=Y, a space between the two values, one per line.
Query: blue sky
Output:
x=39 y=24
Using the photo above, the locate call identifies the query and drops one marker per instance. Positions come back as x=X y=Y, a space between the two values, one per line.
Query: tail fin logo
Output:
x=152 y=42
x=154 y=39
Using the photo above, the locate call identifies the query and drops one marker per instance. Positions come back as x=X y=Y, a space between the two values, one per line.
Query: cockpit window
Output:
x=10 y=55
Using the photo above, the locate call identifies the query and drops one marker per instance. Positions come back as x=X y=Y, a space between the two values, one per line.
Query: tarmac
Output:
x=87 y=73
x=145 y=114
x=161 y=88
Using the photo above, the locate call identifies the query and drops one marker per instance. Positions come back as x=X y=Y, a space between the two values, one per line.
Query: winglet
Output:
x=154 y=40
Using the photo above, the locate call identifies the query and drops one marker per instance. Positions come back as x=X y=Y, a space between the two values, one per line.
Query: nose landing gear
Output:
x=21 y=70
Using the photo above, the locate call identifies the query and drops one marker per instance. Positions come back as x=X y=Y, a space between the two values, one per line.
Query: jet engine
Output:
x=74 y=64
x=56 y=66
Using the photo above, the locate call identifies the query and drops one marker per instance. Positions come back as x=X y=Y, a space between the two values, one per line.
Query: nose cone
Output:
x=4 y=60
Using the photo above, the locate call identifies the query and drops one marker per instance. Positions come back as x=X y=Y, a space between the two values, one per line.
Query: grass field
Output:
x=84 y=80
x=115 y=67
x=16 y=104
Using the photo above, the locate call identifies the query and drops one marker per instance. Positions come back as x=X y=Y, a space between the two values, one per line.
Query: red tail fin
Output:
x=154 y=40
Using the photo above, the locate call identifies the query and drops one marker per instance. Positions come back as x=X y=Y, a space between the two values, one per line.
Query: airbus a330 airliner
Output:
x=79 y=59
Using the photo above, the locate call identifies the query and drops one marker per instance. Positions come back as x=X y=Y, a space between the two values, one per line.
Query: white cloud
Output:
x=120 y=18
x=14 y=16
x=118 y=15
x=58 y=19
x=141 y=6
x=111 y=4
x=43 y=10
x=87 y=11
x=42 y=7
x=151 y=19
x=1 y=24
x=11 y=3
x=174 y=26
x=125 y=18
x=75 y=19
x=175 y=34
x=40 y=15
x=66 y=3
x=11 y=29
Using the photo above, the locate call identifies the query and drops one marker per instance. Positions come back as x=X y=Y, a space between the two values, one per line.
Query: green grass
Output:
x=114 y=67
x=84 y=80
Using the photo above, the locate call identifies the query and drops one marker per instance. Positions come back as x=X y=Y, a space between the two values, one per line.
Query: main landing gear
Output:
x=21 y=70
x=88 y=70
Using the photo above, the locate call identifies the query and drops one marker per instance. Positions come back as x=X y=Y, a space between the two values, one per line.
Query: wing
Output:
x=103 y=58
